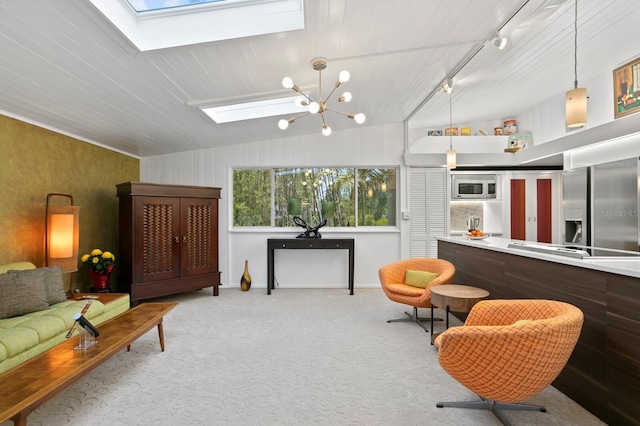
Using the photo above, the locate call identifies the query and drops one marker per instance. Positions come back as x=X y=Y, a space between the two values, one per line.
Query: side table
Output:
x=308 y=243
x=456 y=298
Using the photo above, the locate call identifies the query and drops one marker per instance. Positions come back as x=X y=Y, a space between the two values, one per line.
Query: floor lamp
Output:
x=62 y=235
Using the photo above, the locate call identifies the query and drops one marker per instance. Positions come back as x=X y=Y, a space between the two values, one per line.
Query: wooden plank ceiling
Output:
x=65 y=67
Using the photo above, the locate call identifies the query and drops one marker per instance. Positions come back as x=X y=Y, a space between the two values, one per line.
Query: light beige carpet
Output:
x=297 y=357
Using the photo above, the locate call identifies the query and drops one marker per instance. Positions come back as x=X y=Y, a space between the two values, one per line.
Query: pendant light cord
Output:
x=450 y=125
x=575 y=46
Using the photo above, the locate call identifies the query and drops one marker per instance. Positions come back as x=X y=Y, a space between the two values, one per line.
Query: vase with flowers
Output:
x=100 y=264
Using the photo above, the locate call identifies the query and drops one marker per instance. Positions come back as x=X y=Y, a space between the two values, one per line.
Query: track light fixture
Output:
x=499 y=41
x=447 y=85
x=320 y=106
x=576 y=99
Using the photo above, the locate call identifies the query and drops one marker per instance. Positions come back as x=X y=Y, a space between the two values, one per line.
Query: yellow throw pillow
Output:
x=420 y=279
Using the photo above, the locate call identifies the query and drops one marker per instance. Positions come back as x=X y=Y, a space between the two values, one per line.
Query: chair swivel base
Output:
x=415 y=318
x=494 y=407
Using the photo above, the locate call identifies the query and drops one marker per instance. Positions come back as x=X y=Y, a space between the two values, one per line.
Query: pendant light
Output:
x=576 y=99
x=451 y=153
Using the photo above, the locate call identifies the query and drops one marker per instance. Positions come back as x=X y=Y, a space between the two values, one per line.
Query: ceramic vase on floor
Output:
x=245 y=281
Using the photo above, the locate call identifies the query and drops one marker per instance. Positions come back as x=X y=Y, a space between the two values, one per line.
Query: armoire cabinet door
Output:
x=198 y=232
x=157 y=238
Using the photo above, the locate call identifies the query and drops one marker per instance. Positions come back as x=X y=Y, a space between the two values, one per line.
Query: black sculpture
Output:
x=309 y=232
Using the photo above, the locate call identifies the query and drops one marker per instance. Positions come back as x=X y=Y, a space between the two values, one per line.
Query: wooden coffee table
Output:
x=456 y=298
x=28 y=385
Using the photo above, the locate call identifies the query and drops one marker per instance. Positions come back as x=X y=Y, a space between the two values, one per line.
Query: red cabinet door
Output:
x=518 y=209
x=543 y=210
x=531 y=210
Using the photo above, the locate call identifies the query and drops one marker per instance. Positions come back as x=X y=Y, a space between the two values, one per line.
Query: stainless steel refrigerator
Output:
x=615 y=205
x=600 y=205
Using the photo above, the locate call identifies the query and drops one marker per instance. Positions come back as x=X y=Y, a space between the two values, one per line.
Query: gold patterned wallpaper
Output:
x=34 y=162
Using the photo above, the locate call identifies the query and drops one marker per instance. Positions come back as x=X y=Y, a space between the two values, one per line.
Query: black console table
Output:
x=306 y=244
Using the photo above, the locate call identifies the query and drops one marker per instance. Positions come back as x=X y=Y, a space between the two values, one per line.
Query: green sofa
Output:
x=25 y=335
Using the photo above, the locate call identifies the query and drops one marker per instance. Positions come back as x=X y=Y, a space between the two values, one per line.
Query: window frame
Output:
x=356 y=228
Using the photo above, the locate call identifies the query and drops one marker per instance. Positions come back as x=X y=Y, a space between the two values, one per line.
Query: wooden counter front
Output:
x=603 y=374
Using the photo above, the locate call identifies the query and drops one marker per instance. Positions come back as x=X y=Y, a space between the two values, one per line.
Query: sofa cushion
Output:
x=19 y=296
x=5 y=281
x=47 y=326
x=18 y=339
x=52 y=281
x=16 y=266
x=65 y=311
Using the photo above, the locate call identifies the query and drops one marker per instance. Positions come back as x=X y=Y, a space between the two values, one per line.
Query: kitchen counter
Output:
x=628 y=266
x=603 y=373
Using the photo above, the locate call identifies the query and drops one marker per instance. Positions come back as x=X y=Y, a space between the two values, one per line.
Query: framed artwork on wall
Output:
x=626 y=89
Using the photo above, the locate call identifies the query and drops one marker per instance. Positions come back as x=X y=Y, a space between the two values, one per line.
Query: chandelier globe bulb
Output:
x=344 y=76
x=359 y=118
x=314 y=107
x=287 y=82
x=283 y=124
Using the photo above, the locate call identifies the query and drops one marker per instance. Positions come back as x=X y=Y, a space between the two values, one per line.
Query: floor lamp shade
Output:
x=63 y=236
x=576 y=107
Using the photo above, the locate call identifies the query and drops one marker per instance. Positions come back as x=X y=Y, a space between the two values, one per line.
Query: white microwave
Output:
x=473 y=187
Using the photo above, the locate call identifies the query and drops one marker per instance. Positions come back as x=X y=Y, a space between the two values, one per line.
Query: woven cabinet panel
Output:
x=157 y=238
x=198 y=236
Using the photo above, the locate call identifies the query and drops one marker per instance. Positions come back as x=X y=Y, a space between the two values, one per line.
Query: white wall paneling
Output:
x=381 y=146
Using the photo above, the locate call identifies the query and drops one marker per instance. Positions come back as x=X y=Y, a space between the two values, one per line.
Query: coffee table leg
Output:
x=432 y=320
x=20 y=419
x=447 y=318
x=161 y=335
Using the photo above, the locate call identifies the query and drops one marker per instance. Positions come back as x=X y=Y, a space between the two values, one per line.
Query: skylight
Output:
x=148 y=5
x=251 y=110
x=159 y=24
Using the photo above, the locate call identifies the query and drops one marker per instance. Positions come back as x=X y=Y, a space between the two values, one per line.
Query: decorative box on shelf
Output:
x=519 y=141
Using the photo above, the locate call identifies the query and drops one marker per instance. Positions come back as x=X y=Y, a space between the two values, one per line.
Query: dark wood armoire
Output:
x=168 y=239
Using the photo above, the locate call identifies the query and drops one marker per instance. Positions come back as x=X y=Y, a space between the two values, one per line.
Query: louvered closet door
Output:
x=158 y=224
x=428 y=204
x=198 y=234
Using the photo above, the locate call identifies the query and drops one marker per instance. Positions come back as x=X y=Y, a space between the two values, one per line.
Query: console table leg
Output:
x=351 y=272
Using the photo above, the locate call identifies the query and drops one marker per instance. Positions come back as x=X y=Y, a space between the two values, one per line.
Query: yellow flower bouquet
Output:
x=98 y=261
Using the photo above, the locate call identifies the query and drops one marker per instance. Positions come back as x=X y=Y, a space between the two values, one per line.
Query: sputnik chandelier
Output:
x=320 y=106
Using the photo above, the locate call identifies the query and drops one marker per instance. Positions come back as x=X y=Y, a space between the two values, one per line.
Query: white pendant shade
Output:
x=576 y=107
x=451 y=159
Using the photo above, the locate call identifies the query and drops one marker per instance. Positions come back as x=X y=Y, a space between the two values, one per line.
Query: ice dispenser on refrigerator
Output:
x=576 y=206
